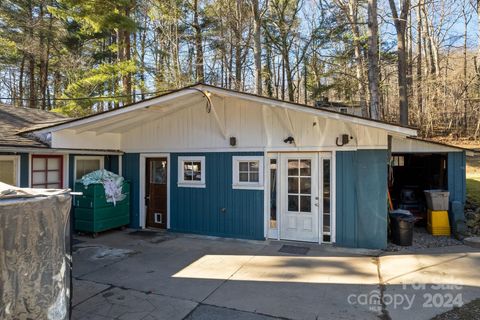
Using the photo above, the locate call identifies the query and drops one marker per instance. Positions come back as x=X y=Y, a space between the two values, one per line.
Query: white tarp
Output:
x=112 y=183
x=35 y=261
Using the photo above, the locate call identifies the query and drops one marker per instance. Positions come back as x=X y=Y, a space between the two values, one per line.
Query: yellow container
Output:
x=438 y=223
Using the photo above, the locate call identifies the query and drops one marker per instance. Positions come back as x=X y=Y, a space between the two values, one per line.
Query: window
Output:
x=10 y=170
x=327 y=234
x=343 y=110
x=87 y=164
x=398 y=161
x=273 y=193
x=191 y=172
x=47 y=171
x=247 y=172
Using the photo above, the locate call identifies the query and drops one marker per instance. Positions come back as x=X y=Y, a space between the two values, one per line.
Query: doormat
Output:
x=294 y=250
x=146 y=233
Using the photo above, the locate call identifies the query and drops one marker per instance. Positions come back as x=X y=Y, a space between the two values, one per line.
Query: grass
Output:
x=473 y=189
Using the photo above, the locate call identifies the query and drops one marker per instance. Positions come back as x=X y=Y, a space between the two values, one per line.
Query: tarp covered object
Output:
x=35 y=260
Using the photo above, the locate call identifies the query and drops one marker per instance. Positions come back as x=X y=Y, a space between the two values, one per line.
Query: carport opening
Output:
x=410 y=175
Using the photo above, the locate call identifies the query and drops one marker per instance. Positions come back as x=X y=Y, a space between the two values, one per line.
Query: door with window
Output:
x=300 y=204
x=156 y=192
x=47 y=171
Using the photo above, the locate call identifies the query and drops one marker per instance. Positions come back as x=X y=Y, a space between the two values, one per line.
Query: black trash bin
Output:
x=401 y=227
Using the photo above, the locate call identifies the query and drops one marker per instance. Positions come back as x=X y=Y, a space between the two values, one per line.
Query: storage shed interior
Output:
x=411 y=174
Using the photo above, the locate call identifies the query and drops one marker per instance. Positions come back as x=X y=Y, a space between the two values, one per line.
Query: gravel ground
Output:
x=469 y=311
x=422 y=239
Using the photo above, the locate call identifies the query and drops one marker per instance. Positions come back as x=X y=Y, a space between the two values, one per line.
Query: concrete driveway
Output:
x=148 y=275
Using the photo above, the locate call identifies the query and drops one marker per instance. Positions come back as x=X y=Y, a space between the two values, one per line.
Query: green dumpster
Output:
x=94 y=214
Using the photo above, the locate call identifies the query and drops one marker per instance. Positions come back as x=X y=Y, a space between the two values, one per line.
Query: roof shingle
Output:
x=16 y=119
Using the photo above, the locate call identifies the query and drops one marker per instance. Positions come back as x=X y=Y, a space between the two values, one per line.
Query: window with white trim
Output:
x=87 y=164
x=10 y=170
x=191 y=172
x=247 y=172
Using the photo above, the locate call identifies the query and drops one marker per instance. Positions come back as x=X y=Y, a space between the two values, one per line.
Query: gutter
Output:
x=40 y=150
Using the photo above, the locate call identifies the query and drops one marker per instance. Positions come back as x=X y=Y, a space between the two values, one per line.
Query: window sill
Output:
x=247 y=186
x=191 y=185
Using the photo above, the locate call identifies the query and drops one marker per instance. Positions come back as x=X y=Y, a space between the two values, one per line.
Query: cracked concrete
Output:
x=119 y=276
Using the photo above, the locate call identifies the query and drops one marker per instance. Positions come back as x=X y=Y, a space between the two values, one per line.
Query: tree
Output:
x=400 y=23
x=373 y=59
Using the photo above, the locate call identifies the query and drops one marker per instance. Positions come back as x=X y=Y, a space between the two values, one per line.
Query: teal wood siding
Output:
x=131 y=172
x=24 y=170
x=111 y=163
x=199 y=210
x=457 y=176
x=457 y=186
x=361 y=198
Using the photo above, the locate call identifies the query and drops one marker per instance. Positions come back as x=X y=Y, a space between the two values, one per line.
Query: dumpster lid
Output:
x=11 y=192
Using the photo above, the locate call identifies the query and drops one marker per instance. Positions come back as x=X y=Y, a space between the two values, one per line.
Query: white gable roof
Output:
x=135 y=114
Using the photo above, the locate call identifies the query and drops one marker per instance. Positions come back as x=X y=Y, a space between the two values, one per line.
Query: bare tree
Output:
x=400 y=23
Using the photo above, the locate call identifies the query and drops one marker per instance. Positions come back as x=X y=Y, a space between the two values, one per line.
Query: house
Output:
x=354 y=109
x=213 y=161
x=27 y=160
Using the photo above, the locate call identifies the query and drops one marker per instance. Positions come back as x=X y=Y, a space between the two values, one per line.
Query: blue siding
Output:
x=199 y=210
x=111 y=163
x=361 y=186
x=457 y=176
x=24 y=169
x=131 y=172
x=346 y=210
x=457 y=186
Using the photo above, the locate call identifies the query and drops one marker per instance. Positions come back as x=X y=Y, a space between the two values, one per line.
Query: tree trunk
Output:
x=373 y=57
x=257 y=45
x=32 y=92
x=20 y=82
x=419 y=63
x=198 y=44
x=400 y=27
x=360 y=74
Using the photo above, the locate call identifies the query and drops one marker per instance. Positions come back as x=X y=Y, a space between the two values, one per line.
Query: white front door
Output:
x=299 y=197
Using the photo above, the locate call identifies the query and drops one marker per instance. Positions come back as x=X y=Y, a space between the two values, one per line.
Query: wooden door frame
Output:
x=143 y=176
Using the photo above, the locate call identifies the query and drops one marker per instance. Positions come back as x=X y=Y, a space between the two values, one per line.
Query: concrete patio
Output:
x=149 y=275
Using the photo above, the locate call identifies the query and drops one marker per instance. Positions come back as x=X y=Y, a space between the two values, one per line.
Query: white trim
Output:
x=236 y=184
x=58 y=151
x=191 y=184
x=324 y=113
x=262 y=149
x=222 y=92
x=76 y=158
x=16 y=166
x=333 y=197
x=142 y=175
x=101 y=116
x=120 y=165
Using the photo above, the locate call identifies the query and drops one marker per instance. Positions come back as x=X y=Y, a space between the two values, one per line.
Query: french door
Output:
x=301 y=197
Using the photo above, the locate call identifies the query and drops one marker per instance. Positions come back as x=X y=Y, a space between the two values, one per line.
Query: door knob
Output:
x=147 y=198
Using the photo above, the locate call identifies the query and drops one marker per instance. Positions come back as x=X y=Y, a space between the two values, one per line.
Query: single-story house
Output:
x=213 y=161
x=27 y=160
